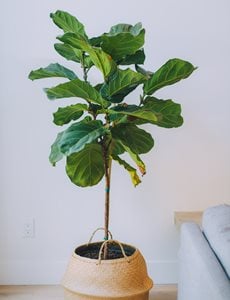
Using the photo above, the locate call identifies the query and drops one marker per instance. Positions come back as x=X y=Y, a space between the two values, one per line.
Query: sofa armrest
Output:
x=201 y=277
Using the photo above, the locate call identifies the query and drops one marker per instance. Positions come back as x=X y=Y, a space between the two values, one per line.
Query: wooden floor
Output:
x=51 y=292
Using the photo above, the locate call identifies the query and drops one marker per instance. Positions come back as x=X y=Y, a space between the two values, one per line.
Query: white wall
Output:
x=189 y=169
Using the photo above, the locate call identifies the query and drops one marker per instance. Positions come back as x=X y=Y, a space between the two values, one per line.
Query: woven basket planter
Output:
x=123 y=278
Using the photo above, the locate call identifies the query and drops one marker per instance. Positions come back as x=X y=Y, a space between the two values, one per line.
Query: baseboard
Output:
x=50 y=272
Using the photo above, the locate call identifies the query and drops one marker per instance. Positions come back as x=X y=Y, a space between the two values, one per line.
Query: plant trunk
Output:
x=108 y=164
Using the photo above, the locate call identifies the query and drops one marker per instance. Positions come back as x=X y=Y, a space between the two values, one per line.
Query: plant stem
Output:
x=108 y=165
x=84 y=68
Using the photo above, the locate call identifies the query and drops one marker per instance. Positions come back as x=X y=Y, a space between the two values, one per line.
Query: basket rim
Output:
x=106 y=261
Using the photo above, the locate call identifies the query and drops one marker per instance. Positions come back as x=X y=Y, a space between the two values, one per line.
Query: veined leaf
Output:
x=78 y=135
x=121 y=84
x=53 y=70
x=132 y=172
x=73 y=54
x=74 y=40
x=136 y=158
x=126 y=44
x=68 y=52
x=55 y=153
x=136 y=139
x=145 y=113
x=163 y=113
x=137 y=58
x=87 y=119
x=76 y=88
x=115 y=30
x=171 y=72
x=120 y=28
x=148 y=74
x=168 y=112
x=96 y=41
x=116 y=147
x=69 y=113
x=86 y=168
x=101 y=60
x=68 y=23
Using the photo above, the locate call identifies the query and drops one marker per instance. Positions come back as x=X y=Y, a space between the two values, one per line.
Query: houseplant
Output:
x=102 y=125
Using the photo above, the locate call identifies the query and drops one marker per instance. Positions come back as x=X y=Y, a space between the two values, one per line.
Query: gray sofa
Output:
x=204 y=257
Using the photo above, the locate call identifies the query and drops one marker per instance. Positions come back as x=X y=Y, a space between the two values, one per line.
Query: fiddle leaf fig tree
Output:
x=101 y=126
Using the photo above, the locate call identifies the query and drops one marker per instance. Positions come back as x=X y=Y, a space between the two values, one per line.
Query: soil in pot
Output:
x=114 y=250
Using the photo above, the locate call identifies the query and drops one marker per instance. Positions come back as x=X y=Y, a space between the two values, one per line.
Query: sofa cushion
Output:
x=216 y=227
x=201 y=276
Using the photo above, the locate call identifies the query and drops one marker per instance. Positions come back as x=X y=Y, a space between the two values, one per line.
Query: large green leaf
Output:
x=86 y=168
x=136 y=158
x=168 y=112
x=171 y=72
x=122 y=44
x=145 y=113
x=68 y=52
x=120 y=28
x=76 y=88
x=53 y=70
x=115 y=30
x=68 y=23
x=80 y=134
x=101 y=60
x=55 y=153
x=164 y=113
x=121 y=84
x=132 y=172
x=116 y=147
x=136 y=58
x=71 y=53
x=136 y=139
x=66 y=114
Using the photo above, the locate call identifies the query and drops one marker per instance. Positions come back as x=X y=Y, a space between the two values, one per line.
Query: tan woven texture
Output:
x=74 y=296
x=107 y=279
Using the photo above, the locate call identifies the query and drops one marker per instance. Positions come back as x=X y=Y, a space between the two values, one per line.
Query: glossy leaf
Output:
x=163 y=113
x=136 y=58
x=126 y=44
x=121 y=28
x=145 y=113
x=171 y=72
x=76 y=88
x=55 y=153
x=144 y=72
x=132 y=172
x=78 y=135
x=136 y=158
x=71 y=53
x=115 y=30
x=74 y=40
x=138 y=140
x=116 y=147
x=68 y=23
x=101 y=60
x=168 y=112
x=122 y=83
x=86 y=168
x=53 y=70
x=69 y=113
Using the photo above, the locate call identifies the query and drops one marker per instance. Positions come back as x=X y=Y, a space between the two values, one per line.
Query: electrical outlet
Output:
x=29 y=228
